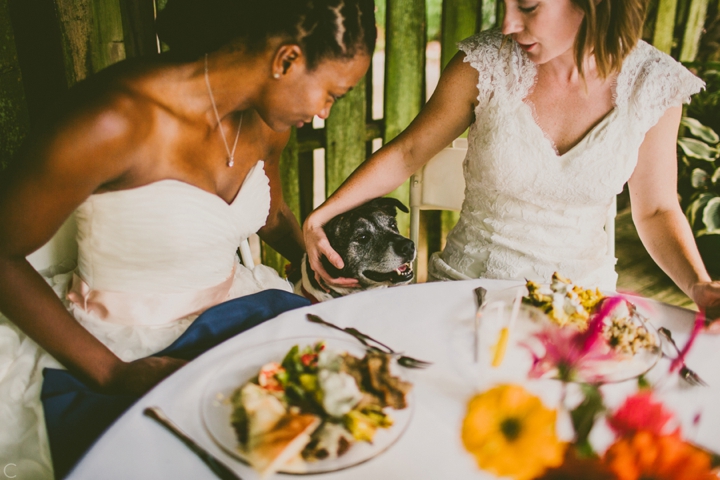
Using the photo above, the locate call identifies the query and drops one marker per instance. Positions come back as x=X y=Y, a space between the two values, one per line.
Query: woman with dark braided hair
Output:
x=168 y=163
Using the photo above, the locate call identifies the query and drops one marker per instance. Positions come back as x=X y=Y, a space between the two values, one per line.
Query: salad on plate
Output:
x=314 y=405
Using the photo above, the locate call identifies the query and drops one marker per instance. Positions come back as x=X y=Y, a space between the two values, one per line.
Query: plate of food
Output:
x=625 y=347
x=307 y=406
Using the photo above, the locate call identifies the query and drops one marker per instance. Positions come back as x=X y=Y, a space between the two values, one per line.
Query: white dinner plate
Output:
x=216 y=408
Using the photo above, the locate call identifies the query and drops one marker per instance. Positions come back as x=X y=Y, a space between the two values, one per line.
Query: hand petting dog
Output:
x=371 y=252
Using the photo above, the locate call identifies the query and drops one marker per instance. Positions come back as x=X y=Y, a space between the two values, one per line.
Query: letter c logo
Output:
x=5 y=470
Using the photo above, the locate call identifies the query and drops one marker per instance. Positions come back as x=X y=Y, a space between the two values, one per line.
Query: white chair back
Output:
x=440 y=185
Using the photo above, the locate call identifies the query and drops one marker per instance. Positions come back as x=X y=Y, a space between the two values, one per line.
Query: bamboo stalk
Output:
x=693 y=30
x=75 y=21
x=289 y=171
x=14 y=118
x=404 y=76
x=665 y=25
x=459 y=21
x=345 y=133
x=107 y=41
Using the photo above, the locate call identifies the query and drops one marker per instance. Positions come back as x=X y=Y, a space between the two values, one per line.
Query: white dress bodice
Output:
x=167 y=250
x=529 y=211
x=167 y=236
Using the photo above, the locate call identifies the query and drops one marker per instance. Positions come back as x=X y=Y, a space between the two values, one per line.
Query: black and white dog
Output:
x=374 y=252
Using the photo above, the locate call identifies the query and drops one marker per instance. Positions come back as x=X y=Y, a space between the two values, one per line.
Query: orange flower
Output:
x=657 y=457
x=511 y=433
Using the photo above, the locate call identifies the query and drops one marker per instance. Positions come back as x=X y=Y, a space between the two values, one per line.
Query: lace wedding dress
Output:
x=150 y=260
x=529 y=211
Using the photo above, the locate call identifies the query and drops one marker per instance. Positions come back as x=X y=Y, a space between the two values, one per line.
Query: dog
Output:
x=372 y=249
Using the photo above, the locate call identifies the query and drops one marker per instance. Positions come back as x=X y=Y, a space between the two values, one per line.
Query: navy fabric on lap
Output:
x=75 y=415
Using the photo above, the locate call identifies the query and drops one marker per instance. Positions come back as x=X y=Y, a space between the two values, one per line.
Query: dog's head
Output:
x=370 y=245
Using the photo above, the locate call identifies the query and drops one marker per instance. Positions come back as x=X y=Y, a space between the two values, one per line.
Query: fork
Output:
x=402 y=360
x=686 y=373
x=480 y=300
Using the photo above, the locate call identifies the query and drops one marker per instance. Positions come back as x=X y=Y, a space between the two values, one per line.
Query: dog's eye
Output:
x=363 y=238
x=393 y=224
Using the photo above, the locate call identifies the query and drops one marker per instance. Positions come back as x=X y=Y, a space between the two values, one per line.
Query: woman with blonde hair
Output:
x=564 y=105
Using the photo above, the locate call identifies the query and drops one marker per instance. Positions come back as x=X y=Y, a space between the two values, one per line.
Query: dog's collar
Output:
x=308 y=295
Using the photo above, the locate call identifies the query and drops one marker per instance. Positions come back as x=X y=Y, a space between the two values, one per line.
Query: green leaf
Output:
x=697 y=149
x=696 y=206
x=701 y=131
x=715 y=176
x=584 y=415
x=711 y=215
x=699 y=178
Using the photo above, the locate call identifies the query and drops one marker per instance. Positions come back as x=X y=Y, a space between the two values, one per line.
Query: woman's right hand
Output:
x=138 y=377
x=317 y=245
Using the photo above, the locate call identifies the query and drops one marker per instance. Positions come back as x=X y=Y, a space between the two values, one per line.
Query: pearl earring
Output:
x=276 y=75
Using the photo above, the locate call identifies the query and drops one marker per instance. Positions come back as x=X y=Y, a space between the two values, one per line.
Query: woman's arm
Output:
x=660 y=222
x=59 y=170
x=282 y=230
x=447 y=114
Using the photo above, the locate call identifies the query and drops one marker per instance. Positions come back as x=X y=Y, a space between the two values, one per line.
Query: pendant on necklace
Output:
x=230 y=161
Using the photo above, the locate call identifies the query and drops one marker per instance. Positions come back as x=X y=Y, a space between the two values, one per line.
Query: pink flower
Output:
x=641 y=412
x=572 y=353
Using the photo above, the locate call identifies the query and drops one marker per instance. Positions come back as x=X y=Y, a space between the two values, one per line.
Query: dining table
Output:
x=429 y=321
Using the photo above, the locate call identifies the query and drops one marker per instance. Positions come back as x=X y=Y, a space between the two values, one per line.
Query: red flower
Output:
x=641 y=412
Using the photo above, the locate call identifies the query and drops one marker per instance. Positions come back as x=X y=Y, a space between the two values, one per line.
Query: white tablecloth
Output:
x=428 y=321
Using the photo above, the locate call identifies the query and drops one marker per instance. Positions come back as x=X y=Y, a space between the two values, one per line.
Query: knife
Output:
x=220 y=469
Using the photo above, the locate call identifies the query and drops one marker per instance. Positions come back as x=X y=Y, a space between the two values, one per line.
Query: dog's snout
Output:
x=404 y=247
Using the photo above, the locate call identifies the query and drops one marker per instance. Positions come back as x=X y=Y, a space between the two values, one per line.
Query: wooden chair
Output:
x=440 y=185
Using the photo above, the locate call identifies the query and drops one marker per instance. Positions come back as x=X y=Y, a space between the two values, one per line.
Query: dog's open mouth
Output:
x=404 y=273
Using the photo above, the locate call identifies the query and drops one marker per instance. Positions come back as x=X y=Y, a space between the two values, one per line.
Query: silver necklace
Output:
x=230 y=153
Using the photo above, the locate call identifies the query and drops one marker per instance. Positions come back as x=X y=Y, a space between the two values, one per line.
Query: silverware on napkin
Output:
x=403 y=360
x=219 y=468
x=480 y=299
x=686 y=373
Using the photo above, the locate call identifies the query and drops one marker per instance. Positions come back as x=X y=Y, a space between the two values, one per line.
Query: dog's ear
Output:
x=389 y=204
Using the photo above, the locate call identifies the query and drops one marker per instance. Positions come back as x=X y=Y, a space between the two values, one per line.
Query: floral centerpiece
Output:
x=512 y=433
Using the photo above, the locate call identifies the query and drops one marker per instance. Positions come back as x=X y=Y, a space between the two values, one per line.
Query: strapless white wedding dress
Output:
x=528 y=211
x=150 y=260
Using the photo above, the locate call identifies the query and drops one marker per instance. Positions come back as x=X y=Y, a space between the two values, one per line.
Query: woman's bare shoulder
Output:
x=99 y=128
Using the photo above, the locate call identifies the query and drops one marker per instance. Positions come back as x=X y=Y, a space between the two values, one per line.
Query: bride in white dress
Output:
x=561 y=114
x=169 y=164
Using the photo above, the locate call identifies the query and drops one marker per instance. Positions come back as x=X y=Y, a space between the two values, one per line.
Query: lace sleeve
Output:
x=482 y=52
x=660 y=82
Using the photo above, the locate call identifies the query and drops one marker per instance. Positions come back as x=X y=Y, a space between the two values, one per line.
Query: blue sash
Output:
x=76 y=415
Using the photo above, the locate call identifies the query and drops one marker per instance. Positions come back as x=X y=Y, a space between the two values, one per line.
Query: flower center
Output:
x=511 y=427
